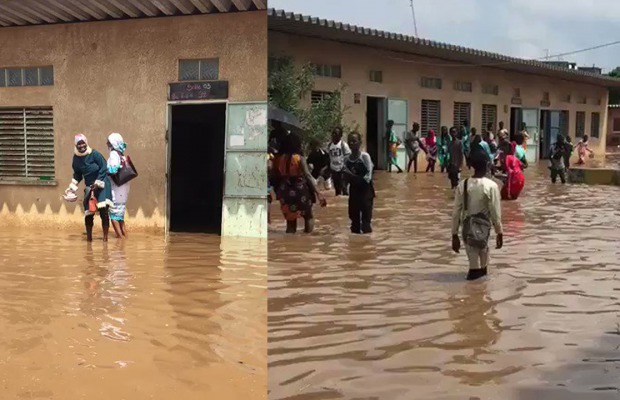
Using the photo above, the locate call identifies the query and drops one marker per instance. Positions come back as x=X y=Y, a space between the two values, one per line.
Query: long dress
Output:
x=515 y=180
x=93 y=169
x=293 y=189
x=120 y=194
x=442 y=150
x=393 y=143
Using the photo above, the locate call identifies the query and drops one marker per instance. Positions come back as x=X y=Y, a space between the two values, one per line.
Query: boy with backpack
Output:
x=477 y=210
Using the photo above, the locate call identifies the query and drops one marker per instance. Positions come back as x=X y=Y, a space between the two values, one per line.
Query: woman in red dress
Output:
x=515 y=180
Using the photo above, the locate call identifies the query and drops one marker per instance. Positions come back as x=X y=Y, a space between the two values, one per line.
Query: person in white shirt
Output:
x=483 y=202
x=338 y=150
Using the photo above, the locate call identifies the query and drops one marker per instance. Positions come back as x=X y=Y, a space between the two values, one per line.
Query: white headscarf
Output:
x=117 y=142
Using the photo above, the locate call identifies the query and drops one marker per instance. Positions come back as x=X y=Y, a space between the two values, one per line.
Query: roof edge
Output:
x=499 y=59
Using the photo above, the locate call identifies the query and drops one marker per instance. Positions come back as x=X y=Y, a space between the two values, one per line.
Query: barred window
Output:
x=546 y=96
x=329 y=71
x=431 y=116
x=462 y=113
x=595 y=125
x=582 y=100
x=516 y=92
x=199 y=70
x=376 y=76
x=318 y=96
x=430 y=83
x=580 y=124
x=28 y=76
x=489 y=115
x=490 y=89
x=27 y=143
x=566 y=98
x=462 y=86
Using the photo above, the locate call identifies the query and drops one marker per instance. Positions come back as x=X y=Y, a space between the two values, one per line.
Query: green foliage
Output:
x=289 y=85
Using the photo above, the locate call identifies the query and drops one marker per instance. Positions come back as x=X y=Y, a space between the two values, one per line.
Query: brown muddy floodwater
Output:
x=389 y=316
x=134 y=320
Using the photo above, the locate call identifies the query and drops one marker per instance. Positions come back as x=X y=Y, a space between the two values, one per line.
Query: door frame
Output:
x=380 y=156
x=168 y=140
x=401 y=148
x=536 y=138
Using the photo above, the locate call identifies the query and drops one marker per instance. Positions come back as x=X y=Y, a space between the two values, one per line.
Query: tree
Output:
x=289 y=85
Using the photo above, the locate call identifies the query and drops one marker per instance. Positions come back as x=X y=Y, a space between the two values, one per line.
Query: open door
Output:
x=397 y=111
x=531 y=119
x=245 y=188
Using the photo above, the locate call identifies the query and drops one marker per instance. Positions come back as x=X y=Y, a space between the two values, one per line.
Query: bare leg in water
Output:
x=117 y=229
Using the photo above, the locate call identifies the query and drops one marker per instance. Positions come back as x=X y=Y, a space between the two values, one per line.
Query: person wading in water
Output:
x=476 y=209
x=393 y=143
x=413 y=145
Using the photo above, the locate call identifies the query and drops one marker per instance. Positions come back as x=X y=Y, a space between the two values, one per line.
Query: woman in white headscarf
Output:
x=116 y=161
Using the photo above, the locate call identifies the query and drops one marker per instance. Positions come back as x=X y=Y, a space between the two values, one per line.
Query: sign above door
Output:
x=205 y=90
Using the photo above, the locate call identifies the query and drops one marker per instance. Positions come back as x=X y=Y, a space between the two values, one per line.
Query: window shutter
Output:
x=39 y=142
x=489 y=115
x=462 y=112
x=12 y=143
x=26 y=142
x=431 y=116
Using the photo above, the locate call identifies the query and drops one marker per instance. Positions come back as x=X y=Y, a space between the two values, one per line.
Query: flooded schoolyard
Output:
x=390 y=316
x=141 y=319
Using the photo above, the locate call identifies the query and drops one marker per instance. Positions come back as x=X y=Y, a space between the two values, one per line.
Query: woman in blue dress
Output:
x=90 y=166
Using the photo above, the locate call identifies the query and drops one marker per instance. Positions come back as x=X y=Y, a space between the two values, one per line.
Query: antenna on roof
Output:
x=415 y=25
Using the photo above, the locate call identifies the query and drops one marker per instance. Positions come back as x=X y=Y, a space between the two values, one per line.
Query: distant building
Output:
x=561 y=64
x=183 y=82
x=396 y=77
x=592 y=70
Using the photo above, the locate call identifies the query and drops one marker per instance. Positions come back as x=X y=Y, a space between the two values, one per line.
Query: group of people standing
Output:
x=102 y=193
x=453 y=147
x=297 y=180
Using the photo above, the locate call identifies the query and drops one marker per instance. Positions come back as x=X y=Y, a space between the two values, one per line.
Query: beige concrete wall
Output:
x=112 y=77
x=402 y=74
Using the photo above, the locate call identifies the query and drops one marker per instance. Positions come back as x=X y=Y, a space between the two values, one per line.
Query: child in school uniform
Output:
x=358 y=170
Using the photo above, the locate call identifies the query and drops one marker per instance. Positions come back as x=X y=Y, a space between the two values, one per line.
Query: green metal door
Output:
x=398 y=111
x=245 y=189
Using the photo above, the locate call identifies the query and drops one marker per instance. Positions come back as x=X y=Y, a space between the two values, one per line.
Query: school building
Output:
x=395 y=77
x=184 y=82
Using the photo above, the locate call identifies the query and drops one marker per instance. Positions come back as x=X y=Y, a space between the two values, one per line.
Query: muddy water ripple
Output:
x=389 y=316
x=141 y=319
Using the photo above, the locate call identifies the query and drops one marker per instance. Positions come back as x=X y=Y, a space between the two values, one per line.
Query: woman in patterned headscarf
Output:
x=117 y=159
x=90 y=166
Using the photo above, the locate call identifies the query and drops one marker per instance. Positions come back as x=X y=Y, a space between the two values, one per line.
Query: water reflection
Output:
x=389 y=316
x=137 y=319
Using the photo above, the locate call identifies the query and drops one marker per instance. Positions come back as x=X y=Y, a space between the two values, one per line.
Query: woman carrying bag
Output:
x=121 y=171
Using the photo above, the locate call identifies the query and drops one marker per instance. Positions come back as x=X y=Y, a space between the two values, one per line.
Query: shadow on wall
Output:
x=592 y=374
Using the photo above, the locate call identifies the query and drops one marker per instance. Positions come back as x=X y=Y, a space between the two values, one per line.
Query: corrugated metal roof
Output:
x=43 y=12
x=304 y=25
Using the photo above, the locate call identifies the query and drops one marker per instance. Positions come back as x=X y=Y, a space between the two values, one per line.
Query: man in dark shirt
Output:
x=455 y=151
x=318 y=160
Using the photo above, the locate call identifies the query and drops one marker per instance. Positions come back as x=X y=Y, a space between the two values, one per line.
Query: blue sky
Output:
x=521 y=28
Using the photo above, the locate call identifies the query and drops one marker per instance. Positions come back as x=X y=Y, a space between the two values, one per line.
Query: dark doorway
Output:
x=196 y=182
x=375 y=122
x=545 y=133
x=516 y=119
